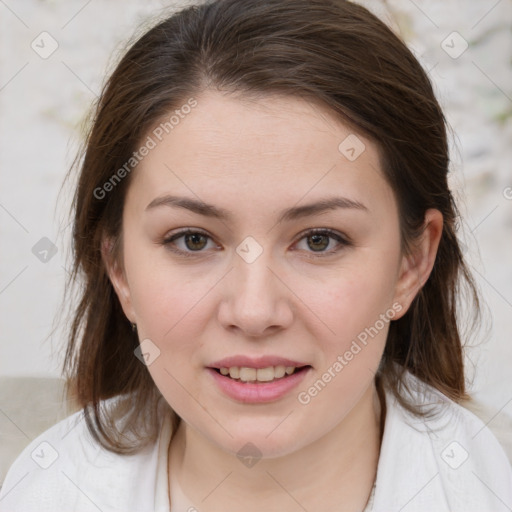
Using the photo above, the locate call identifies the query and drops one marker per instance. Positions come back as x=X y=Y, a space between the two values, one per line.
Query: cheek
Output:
x=169 y=305
x=171 y=312
x=353 y=299
x=164 y=295
x=358 y=307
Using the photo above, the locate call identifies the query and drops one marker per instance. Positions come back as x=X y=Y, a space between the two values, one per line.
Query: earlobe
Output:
x=417 y=266
x=117 y=278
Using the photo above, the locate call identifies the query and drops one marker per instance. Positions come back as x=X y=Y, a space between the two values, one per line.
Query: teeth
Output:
x=234 y=372
x=268 y=374
x=246 y=374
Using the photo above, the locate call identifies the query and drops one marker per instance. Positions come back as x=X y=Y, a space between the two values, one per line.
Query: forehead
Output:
x=254 y=151
x=269 y=129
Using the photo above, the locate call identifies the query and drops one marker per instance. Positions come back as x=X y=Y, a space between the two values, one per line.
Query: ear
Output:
x=117 y=277
x=416 y=267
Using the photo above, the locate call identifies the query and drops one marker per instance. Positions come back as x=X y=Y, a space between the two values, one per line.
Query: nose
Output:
x=256 y=302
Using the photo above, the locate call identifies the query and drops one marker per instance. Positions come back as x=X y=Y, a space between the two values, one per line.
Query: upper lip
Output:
x=255 y=362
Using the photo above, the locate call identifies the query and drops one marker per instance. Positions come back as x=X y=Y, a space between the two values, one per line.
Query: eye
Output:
x=319 y=239
x=194 y=241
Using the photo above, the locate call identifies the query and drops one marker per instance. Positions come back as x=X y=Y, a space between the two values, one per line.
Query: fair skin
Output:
x=302 y=298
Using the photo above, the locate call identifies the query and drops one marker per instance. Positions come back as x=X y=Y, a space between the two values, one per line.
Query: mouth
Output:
x=250 y=385
x=245 y=374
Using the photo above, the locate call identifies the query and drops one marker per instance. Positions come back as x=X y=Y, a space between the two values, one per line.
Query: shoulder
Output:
x=65 y=469
x=447 y=461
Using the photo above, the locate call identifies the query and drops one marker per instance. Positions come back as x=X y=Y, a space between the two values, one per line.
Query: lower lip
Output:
x=252 y=392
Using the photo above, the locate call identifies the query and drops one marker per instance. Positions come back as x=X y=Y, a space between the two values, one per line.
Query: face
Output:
x=266 y=276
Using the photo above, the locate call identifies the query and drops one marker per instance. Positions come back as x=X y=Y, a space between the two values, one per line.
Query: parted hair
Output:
x=332 y=52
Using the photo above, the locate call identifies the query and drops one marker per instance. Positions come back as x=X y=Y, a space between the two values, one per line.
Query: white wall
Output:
x=42 y=102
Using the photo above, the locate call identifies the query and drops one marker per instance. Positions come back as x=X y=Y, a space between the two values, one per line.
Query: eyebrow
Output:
x=294 y=213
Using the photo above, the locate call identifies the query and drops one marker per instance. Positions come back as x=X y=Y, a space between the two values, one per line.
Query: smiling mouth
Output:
x=260 y=375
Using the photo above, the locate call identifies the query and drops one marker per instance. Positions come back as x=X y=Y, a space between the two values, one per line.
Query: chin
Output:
x=260 y=442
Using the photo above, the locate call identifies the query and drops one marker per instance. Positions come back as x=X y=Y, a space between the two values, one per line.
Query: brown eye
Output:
x=187 y=242
x=195 y=241
x=318 y=242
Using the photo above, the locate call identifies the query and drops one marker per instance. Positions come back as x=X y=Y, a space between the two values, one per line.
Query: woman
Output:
x=271 y=279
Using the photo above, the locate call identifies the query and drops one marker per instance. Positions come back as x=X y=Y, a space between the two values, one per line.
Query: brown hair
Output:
x=330 y=51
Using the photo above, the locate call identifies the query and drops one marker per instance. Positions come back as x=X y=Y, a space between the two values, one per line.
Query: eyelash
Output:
x=342 y=240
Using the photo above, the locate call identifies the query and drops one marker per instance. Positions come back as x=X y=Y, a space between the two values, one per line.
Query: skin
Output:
x=256 y=157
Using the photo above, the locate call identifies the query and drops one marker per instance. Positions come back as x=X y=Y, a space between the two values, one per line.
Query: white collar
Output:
x=448 y=463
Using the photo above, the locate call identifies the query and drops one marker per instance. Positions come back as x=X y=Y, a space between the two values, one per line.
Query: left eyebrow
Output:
x=293 y=213
x=321 y=206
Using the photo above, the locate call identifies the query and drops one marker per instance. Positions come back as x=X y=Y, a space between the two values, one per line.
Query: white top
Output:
x=450 y=463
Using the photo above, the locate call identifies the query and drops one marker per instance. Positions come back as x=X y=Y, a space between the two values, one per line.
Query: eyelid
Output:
x=328 y=231
x=186 y=231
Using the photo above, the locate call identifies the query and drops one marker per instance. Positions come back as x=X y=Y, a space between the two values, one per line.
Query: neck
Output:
x=339 y=468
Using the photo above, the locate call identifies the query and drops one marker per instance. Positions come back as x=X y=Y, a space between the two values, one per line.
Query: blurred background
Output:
x=54 y=56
